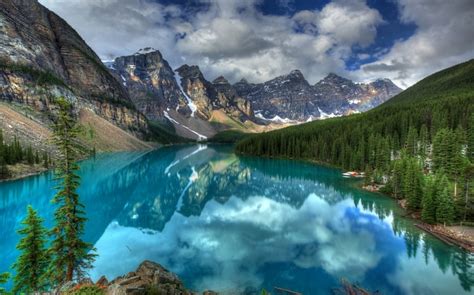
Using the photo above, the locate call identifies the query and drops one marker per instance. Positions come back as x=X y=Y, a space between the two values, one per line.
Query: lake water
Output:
x=236 y=225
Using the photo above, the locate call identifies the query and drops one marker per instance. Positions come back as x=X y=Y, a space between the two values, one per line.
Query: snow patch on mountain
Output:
x=324 y=115
x=275 y=119
x=124 y=80
x=200 y=136
x=191 y=104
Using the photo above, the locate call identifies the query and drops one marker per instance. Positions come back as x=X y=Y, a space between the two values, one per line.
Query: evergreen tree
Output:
x=37 y=158
x=31 y=265
x=399 y=168
x=468 y=202
x=4 y=172
x=428 y=212
x=45 y=160
x=368 y=176
x=470 y=138
x=30 y=158
x=441 y=151
x=424 y=141
x=458 y=160
x=3 y=279
x=71 y=256
x=413 y=184
x=445 y=206
x=411 y=144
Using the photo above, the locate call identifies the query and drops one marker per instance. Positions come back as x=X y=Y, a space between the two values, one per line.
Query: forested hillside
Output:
x=14 y=153
x=419 y=144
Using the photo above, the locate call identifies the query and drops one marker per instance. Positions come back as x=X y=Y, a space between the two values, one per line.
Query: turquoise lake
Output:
x=237 y=224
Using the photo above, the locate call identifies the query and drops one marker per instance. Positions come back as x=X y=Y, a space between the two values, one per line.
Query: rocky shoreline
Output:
x=149 y=278
x=20 y=171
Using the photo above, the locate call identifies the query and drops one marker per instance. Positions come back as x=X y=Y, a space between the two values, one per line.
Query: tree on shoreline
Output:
x=445 y=207
x=428 y=212
x=70 y=255
x=31 y=265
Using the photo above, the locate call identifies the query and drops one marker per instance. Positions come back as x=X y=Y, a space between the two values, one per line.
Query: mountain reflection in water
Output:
x=236 y=224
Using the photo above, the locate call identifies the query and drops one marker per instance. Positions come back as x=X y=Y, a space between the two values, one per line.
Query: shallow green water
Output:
x=236 y=225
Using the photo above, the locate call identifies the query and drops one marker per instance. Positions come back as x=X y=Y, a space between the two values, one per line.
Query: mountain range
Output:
x=137 y=99
x=199 y=108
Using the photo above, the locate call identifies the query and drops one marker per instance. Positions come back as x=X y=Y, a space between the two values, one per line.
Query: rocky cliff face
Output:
x=182 y=97
x=42 y=57
x=290 y=97
x=150 y=82
x=155 y=88
x=218 y=95
x=342 y=96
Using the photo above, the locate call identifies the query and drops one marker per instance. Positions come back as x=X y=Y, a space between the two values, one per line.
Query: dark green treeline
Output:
x=14 y=153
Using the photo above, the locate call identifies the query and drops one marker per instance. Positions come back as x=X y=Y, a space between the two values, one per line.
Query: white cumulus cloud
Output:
x=236 y=39
x=444 y=37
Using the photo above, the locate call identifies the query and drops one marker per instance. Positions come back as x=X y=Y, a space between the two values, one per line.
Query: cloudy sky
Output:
x=403 y=40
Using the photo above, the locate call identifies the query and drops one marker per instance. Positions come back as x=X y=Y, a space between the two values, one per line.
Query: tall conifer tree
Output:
x=71 y=256
x=32 y=263
x=470 y=138
x=428 y=212
x=445 y=207
x=411 y=144
x=413 y=184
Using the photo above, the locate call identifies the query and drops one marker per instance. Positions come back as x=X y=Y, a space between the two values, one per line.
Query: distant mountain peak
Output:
x=146 y=50
x=220 y=80
x=296 y=73
x=334 y=77
x=385 y=82
x=188 y=71
x=294 y=76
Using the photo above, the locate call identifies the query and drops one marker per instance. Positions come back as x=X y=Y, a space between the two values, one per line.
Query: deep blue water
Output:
x=236 y=224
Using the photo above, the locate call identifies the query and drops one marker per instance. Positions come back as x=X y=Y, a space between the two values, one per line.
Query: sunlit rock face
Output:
x=150 y=82
x=199 y=89
x=234 y=104
x=156 y=88
x=42 y=57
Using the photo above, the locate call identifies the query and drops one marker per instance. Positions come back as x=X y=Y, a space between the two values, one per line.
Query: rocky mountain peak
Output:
x=142 y=59
x=190 y=72
x=385 y=82
x=220 y=80
x=146 y=50
x=333 y=78
x=291 y=80
x=150 y=82
x=296 y=74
